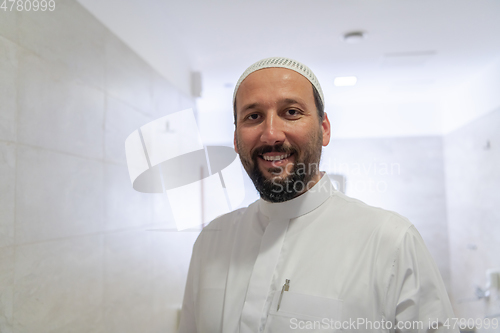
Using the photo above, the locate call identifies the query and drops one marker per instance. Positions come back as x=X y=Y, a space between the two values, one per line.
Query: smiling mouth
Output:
x=275 y=158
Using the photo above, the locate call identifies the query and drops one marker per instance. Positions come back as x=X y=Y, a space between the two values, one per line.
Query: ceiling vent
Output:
x=354 y=37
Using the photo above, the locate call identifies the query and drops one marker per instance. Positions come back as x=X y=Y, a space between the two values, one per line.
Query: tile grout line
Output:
x=65 y=153
x=142 y=228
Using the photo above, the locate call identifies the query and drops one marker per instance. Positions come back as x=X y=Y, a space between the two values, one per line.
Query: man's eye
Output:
x=292 y=112
x=253 y=116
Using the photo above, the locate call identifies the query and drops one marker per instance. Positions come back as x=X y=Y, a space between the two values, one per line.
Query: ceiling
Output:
x=416 y=52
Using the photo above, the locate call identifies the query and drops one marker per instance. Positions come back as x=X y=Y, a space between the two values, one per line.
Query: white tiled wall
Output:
x=404 y=175
x=6 y=288
x=472 y=164
x=56 y=110
x=80 y=250
x=121 y=119
x=58 y=286
x=68 y=37
x=138 y=210
x=7 y=194
x=57 y=195
x=8 y=91
x=128 y=77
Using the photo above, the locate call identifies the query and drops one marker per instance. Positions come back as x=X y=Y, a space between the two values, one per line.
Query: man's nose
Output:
x=273 y=131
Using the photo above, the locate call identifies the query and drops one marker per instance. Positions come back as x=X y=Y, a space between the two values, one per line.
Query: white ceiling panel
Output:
x=415 y=52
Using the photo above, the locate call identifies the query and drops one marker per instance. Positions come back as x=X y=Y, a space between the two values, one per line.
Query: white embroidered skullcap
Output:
x=283 y=63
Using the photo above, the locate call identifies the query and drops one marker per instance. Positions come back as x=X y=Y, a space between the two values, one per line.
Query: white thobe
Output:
x=351 y=267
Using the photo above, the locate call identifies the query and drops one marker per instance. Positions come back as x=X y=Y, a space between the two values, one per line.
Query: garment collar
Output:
x=300 y=205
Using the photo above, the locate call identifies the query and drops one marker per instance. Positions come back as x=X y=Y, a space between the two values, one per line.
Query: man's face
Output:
x=278 y=133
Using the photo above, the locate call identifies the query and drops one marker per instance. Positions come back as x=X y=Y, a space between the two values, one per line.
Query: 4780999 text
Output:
x=27 y=5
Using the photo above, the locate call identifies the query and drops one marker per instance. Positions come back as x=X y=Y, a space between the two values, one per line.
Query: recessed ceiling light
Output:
x=407 y=59
x=354 y=37
x=345 y=81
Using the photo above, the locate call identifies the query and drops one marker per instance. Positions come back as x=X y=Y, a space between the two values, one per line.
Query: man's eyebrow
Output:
x=290 y=101
x=249 y=107
x=283 y=101
x=293 y=101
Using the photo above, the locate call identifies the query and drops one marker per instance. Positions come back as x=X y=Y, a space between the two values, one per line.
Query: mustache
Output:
x=273 y=149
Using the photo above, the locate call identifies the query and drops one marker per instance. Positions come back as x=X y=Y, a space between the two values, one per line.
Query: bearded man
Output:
x=304 y=256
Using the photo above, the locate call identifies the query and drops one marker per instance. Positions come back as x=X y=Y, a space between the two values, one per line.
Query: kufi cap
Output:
x=282 y=63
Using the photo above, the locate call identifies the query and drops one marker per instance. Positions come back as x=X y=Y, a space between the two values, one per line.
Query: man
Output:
x=304 y=256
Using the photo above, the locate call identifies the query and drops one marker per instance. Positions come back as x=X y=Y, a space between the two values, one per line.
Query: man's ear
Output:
x=234 y=142
x=325 y=127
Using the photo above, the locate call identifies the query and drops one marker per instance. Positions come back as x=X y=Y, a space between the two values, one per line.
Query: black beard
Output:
x=279 y=189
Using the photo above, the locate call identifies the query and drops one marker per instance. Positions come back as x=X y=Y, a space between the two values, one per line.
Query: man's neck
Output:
x=310 y=184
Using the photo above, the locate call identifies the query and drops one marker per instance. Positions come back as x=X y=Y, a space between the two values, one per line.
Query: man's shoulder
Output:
x=221 y=228
x=227 y=220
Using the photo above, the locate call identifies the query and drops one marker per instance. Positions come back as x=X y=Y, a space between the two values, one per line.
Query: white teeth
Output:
x=275 y=158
